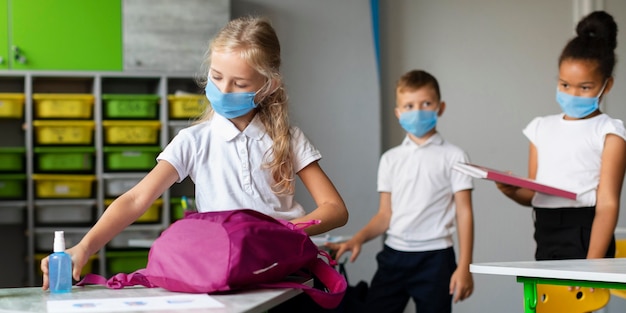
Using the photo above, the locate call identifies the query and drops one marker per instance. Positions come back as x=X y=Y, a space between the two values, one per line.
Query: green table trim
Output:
x=530 y=288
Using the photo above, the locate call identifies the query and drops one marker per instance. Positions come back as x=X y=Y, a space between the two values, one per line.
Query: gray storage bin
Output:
x=12 y=215
x=122 y=240
x=82 y=213
x=114 y=187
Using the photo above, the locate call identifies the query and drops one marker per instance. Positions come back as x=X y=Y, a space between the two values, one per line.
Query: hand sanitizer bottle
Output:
x=60 y=266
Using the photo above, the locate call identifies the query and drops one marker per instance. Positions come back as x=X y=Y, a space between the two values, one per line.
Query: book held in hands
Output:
x=482 y=172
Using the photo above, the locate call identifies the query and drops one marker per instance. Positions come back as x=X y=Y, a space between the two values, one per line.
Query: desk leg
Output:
x=530 y=295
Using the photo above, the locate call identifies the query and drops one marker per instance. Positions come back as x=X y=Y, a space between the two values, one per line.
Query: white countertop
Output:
x=604 y=270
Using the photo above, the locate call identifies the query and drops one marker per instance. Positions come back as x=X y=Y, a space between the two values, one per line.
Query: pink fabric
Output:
x=220 y=251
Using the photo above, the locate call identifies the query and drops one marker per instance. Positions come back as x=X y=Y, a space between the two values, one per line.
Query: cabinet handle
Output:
x=1 y=60
x=19 y=57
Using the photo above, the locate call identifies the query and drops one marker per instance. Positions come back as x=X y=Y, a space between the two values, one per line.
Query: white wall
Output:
x=330 y=72
x=496 y=62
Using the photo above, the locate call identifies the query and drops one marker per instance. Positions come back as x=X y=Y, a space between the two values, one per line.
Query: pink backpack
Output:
x=230 y=250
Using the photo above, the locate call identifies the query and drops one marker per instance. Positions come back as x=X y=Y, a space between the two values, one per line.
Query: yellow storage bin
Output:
x=186 y=106
x=57 y=105
x=64 y=132
x=63 y=186
x=131 y=132
x=11 y=105
x=152 y=215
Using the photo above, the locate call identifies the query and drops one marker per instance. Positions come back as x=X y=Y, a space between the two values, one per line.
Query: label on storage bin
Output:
x=128 y=184
x=66 y=134
x=131 y=153
x=132 y=106
x=193 y=106
x=61 y=189
x=134 y=134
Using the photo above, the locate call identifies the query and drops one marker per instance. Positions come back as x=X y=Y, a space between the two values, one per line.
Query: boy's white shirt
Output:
x=422 y=184
x=228 y=166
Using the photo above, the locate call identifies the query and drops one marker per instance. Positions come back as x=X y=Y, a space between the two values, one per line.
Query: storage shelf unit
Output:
x=107 y=162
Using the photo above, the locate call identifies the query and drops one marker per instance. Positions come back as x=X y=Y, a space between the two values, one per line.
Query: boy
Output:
x=420 y=196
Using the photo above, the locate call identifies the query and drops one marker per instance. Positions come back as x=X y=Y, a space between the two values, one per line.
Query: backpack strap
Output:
x=117 y=281
x=334 y=282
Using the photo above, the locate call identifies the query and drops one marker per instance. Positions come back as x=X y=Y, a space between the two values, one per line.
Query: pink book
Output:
x=478 y=171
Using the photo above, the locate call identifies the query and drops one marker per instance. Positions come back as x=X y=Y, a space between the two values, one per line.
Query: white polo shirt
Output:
x=226 y=166
x=422 y=184
x=569 y=155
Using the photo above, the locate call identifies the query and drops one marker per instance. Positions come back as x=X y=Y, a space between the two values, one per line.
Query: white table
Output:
x=597 y=273
x=33 y=299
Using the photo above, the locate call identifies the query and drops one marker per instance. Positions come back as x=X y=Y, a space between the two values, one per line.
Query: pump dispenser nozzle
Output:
x=59 y=241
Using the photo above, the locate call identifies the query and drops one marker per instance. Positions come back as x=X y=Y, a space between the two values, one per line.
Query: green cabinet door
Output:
x=65 y=35
x=4 y=34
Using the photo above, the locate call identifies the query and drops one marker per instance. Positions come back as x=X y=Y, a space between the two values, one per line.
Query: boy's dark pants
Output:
x=423 y=276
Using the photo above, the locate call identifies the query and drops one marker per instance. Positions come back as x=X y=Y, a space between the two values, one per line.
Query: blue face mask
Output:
x=418 y=122
x=229 y=105
x=578 y=107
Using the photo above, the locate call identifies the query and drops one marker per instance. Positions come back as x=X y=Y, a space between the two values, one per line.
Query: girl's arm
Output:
x=331 y=210
x=461 y=283
x=121 y=213
x=522 y=196
x=130 y=206
x=608 y=195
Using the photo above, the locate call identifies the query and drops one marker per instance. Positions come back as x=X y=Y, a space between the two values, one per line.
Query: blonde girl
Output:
x=242 y=153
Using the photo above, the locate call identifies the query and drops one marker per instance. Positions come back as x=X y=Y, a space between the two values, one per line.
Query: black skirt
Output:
x=564 y=233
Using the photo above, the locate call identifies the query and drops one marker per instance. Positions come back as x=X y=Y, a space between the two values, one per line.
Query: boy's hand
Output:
x=79 y=259
x=340 y=248
x=461 y=284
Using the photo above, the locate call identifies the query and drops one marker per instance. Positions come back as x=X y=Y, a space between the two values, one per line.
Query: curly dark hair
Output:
x=596 y=41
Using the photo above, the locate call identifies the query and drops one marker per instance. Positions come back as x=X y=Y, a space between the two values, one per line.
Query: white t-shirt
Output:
x=226 y=166
x=569 y=154
x=422 y=184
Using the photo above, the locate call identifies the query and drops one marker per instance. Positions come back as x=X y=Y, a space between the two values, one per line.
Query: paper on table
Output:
x=506 y=178
x=173 y=303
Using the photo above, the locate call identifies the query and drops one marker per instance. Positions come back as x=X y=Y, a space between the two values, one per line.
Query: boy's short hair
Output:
x=417 y=79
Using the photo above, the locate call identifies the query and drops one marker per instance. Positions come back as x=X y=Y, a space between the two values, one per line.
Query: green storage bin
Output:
x=130 y=106
x=12 y=186
x=65 y=158
x=131 y=158
x=12 y=159
x=126 y=261
x=176 y=207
